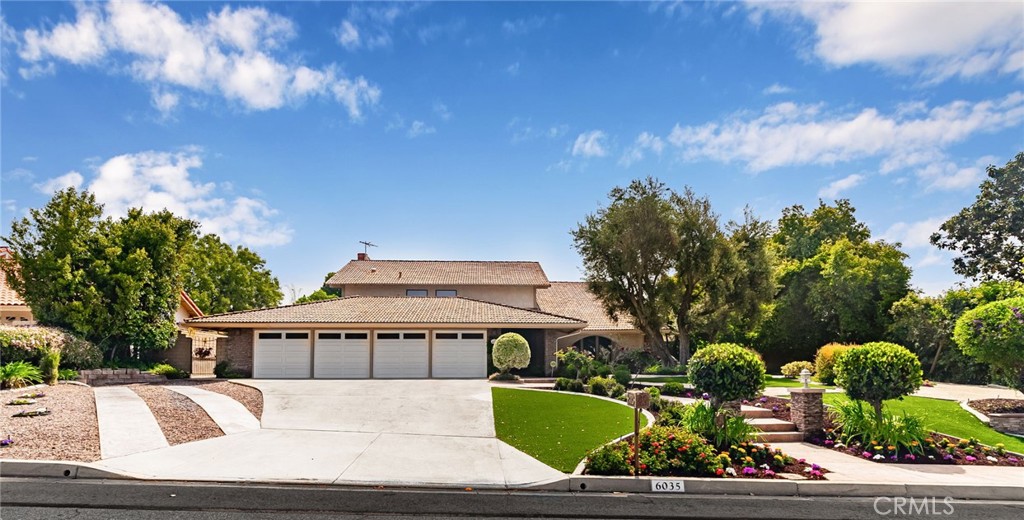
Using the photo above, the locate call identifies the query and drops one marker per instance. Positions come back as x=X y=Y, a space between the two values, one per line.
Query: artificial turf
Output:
x=558 y=429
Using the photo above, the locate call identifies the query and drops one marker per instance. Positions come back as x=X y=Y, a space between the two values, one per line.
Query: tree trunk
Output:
x=935 y=361
x=877 y=405
x=684 y=347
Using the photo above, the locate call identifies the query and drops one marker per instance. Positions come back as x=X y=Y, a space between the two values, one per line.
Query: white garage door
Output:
x=281 y=355
x=400 y=354
x=459 y=354
x=341 y=354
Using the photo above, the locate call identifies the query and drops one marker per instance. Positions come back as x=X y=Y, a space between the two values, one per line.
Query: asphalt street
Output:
x=30 y=499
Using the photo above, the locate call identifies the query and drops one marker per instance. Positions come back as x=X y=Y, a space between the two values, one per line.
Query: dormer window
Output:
x=416 y=293
x=446 y=293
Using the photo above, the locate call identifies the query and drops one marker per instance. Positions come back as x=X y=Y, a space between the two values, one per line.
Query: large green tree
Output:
x=220 y=278
x=989 y=234
x=663 y=259
x=834 y=283
x=115 y=282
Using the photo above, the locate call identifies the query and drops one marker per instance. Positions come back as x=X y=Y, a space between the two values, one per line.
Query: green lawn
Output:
x=946 y=417
x=557 y=429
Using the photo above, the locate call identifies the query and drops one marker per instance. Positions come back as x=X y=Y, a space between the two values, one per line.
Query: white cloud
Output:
x=348 y=35
x=18 y=174
x=788 y=134
x=70 y=179
x=938 y=40
x=513 y=69
x=10 y=206
x=590 y=144
x=914 y=235
x=948 y=175
x=234 y=53
x=155 y=181
x=521 y=26
x=838 y=186
x=645 y=142
x=442 y=111
x=776 y=88
x=418 y=128
x=369 y=26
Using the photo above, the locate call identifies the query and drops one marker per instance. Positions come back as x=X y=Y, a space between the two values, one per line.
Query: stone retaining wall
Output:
x=117 y=376
x=1007 y=422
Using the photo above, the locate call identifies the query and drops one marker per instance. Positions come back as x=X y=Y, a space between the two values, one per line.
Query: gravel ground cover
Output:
x=250 y=397
x=180 y=418
x=70 y=432
x=987 y=406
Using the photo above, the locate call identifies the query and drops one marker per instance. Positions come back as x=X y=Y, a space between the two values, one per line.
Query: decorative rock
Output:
x=1012 y=423
x=807 y=409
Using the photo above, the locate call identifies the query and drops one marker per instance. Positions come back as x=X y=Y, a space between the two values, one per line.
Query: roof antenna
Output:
x=367 y=245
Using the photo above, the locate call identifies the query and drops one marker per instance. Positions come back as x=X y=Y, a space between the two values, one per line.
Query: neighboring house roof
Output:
x=393 y=310
x=186 y=301
x=7 y=295
x=435 y=272
x=574 y=299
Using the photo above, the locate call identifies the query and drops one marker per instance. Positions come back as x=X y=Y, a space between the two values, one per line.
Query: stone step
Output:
x=772 y=425
x=774 y=437
x=753 y=412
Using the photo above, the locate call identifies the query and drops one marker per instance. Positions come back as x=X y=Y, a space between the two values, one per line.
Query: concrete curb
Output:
x=597 y=484
x=981 y=417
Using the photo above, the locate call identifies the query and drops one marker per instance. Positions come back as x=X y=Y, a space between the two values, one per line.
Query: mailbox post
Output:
x=639 y=400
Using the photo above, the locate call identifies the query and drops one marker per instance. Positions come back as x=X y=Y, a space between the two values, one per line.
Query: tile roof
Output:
x=574 y=299
x=394 y=310
x=437 y=272
x=7 y=295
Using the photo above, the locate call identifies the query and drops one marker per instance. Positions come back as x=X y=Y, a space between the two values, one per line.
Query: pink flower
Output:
x=866 y=454
x=970 y=458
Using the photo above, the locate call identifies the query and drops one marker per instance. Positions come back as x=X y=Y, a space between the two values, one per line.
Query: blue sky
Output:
x=488 y=130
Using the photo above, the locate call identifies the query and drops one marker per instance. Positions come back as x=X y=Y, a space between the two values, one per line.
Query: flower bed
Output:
x=671 y=451
x=936 y=449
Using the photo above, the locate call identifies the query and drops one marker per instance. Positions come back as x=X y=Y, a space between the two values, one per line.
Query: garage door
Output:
x=281 y=355
x=459 y=354
x=341 y=354
x=400 y=354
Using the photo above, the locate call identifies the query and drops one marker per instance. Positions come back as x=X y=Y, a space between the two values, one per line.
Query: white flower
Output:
x=878 y=457
x=807 y=470
x=730 y=471
x=765 y=466
x=992 y=459
x=839 y=446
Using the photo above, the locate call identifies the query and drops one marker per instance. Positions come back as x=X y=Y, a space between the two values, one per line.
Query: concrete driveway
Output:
x=369 y=432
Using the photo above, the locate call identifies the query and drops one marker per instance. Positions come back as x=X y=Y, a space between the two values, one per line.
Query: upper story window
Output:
x=420 y=293
x=446 y=293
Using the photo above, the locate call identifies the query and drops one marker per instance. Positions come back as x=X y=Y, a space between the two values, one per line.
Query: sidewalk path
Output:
x=846 y=468
x=229 y=414
x=126 y=424
x=953 y=392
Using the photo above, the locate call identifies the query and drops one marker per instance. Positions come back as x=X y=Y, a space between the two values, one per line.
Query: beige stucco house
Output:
x=13 y=309
x=416 y=319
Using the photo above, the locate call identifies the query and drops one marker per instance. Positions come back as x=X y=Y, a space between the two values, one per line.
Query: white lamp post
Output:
x=805 y=378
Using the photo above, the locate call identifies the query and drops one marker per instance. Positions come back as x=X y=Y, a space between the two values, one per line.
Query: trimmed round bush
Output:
x=876 y=372
x=825 y=360
x=673 y=388
x=726 y=371
x=510 y=351
x=600 y=385
x=792 y=370
x=994 y=333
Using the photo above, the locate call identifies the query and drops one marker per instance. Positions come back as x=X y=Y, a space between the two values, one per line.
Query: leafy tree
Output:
x=835 y=284
x=989 y=234
x=220 y=278
x=727 y=372
x=627 y=248
x=323 y=293
x=994 y=333
x=114 y=282
x=662 y=258
x=877 y=372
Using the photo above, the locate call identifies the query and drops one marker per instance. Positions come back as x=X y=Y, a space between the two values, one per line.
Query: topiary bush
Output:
x=994 y=333
x=49 y=366
x=876 y=372
x=825 y=360
x=727 y=372
x=792 y=370
x=510 y=351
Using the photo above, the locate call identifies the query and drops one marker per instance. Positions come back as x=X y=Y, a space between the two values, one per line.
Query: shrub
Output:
x=163 y=369
x=601 y=385
x=510 y=351
x=67 y=374
x=792 y=370
x=661 y=370
x=224 y=370
x=825 y=360
x=664 y=451
x=622 y=375
x=994 y=333
x=575 y=364
x=673 y=388
x=17 y=374
x=503 y=376
x=562 y=383
x=700 y=419
x=906 y=432
x=49 y=366
x=30 y=343
x=616 y=391
x=80 y=353
x=877 y=372
x=728 y=372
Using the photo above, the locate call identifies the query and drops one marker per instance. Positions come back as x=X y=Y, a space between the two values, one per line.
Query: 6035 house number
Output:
x=667 y=486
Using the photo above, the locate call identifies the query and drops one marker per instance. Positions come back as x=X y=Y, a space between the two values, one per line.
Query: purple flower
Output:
x=909 y=456
x=749 y=471
x=970 y=458
x=775 y=408
x=815 y=467
x=947 y=457
x=1013 y=460
x=764 y=399
x=829 y=443
x=705 y=396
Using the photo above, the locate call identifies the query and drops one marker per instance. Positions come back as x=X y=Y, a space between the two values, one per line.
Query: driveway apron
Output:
x=125 y=422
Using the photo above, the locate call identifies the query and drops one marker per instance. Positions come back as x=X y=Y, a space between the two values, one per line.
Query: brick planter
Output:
x=807 y=409
x=1012 y=423
x=117 y=376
